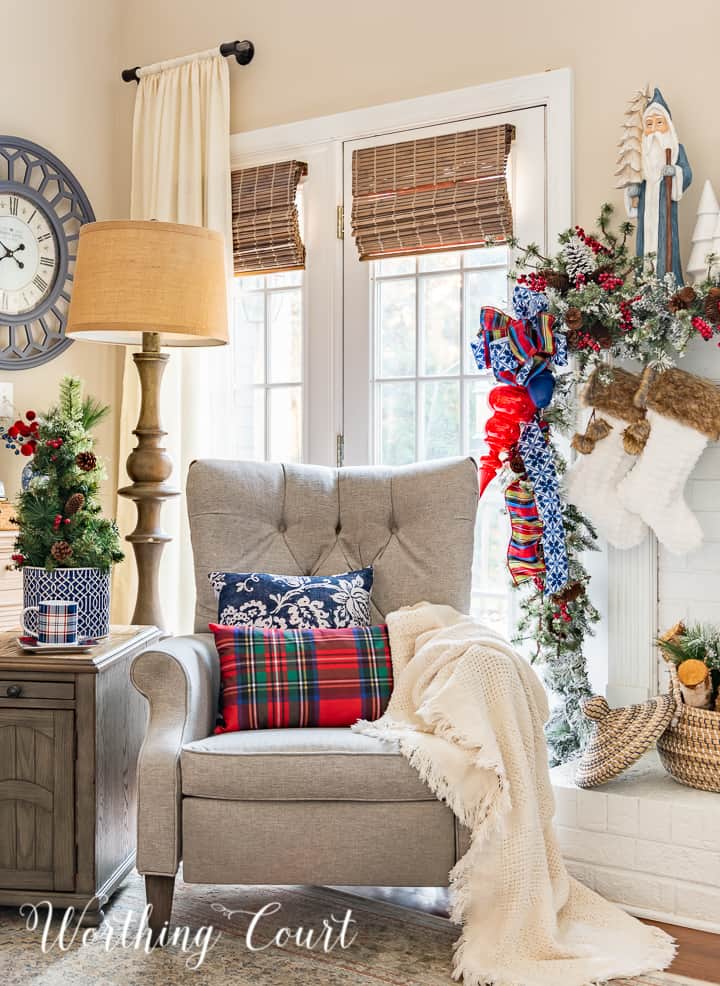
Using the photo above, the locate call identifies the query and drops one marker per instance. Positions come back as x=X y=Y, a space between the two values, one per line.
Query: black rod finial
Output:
x=243 y=51
x=131 y=74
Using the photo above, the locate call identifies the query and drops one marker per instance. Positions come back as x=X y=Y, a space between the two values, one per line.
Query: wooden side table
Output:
x=71 y=726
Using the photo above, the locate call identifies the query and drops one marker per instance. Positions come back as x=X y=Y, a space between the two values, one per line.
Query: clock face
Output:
x=28 y=255
x=42 y=207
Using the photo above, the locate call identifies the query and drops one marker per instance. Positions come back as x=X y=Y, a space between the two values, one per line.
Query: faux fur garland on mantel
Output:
x=468 y=713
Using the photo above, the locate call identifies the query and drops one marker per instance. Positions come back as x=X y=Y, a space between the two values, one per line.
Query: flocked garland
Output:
x=610 y=305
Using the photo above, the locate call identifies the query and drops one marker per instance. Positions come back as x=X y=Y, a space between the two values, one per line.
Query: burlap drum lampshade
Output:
x=133 y=277
x=152 y=284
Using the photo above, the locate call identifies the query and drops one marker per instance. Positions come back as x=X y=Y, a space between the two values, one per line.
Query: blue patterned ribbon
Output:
x=538 y=461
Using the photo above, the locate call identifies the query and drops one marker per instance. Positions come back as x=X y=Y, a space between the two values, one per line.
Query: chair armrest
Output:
x=180 y=678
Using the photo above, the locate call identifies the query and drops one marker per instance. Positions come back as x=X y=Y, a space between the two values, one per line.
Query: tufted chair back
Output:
x=414 y=524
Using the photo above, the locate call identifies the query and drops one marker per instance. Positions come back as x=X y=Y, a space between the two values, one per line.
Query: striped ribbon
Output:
x=524 y=557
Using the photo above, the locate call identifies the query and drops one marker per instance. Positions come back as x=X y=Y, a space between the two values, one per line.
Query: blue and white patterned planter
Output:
x=88 y=587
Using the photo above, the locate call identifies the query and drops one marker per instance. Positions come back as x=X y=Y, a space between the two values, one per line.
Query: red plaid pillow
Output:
x=318 y=677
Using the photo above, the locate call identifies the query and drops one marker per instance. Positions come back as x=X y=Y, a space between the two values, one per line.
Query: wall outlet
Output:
x=7 y=402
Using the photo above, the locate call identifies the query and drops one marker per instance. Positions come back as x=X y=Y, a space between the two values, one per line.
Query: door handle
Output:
x=14 y=691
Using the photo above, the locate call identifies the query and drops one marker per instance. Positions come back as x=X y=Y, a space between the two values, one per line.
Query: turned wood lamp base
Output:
x=149 y=467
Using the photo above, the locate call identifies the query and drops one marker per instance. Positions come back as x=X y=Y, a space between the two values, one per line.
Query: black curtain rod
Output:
x=242 y=50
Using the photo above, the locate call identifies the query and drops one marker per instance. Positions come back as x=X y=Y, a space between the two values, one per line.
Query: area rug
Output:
x=375 y=944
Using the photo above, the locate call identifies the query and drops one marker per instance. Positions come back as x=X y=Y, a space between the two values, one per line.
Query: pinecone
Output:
x=61 y=551
x=682 y=299
x=712 y=306
x=573 y=318
x=555 y=279
x=74 y=503
x=601 y=334
x=86 y=461
x=579 y=258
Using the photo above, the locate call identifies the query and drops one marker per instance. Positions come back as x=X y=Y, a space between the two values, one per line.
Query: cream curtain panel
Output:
x=180 y=173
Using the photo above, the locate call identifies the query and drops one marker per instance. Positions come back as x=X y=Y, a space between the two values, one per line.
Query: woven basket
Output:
x=690 y=746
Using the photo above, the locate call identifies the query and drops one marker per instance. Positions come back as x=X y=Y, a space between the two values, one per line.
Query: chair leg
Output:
x=159 y=895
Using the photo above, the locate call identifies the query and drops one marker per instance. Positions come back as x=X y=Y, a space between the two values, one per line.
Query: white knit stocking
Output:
x=592 y=482
x=654 y=488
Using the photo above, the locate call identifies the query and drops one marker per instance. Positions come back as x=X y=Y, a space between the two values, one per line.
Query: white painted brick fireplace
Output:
x=644 y=841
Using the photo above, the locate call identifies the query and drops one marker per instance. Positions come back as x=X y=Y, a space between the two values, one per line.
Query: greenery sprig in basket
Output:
x=690 y=747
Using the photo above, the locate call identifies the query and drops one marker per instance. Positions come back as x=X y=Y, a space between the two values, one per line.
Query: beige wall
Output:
x=60 y=90
x=323 y=56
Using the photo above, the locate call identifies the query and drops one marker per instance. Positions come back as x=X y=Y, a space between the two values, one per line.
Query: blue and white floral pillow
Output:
x=293 y=602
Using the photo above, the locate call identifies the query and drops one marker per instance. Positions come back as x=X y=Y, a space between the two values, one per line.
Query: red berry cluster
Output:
x=59 y=520
x=562 y=613
x=702 y=327
x=586 y=341
x=609 y=282
x=54 y=443
x=534 y=281
x=26 y=434
x=18 y=558
x=580 y=280
x=595 y=245
x=626 y=315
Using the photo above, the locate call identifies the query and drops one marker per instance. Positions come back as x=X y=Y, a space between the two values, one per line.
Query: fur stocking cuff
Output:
x=689 y=399
x=614 y=396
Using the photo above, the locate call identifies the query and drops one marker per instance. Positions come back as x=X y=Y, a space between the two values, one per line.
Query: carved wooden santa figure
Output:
x=666 y=174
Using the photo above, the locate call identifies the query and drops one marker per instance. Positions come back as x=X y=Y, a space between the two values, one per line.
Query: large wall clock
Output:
x=42 y=207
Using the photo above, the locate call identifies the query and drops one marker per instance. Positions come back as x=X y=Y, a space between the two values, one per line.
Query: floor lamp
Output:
x=151 y=284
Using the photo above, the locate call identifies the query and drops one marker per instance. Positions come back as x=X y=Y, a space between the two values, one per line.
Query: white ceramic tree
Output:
x=629 y=159
x=706 y=235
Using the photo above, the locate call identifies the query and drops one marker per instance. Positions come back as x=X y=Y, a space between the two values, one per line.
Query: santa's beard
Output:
x=654 y=147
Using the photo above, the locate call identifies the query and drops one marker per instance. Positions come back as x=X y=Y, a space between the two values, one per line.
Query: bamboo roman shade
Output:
x=265 y=225
x=439 y=193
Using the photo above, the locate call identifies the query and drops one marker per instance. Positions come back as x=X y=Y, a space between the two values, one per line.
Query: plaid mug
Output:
x=57 y=622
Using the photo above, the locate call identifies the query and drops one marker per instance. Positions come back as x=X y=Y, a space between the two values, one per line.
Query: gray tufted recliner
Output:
x=298 y=806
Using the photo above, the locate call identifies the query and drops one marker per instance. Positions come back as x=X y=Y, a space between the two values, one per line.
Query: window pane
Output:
x=250 y=282
x=441 y=419
x=482 y=287
x=491 y=582
x=440 y=324
x=259 y=424
x=285 y=425
x=478 y=411
x=285 y=335
x=395 y=265
x=249 y=329
x=440 y=261
x=285 y=279
x=485 y=256
x=396 y=418
x=396 y=322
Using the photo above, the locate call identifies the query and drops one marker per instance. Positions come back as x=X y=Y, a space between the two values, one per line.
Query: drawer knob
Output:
x=14 y=691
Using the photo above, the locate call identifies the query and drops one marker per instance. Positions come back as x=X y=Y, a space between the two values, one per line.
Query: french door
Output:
x=411 y=390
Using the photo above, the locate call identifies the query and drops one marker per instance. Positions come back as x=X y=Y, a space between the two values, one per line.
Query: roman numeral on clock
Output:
x=13 y=205
x=45 y=236
x=47 y=262
x=39 y=282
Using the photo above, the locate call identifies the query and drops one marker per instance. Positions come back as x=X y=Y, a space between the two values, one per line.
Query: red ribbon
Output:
x=512 y=406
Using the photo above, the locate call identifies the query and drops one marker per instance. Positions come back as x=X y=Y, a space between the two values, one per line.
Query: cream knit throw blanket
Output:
x=468 y=713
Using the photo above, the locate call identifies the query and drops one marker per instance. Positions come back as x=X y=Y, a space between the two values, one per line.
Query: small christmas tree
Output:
x=59 y=512
x=629 y=159
x=708 y=216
